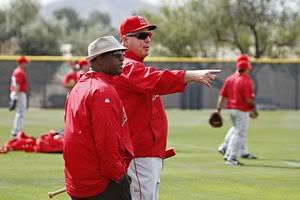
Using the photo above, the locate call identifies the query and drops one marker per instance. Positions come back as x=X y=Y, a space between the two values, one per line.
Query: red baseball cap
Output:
x=23 y=59
x=243 y=57
x=82 y=63
x=134 y=23
x=243 y=64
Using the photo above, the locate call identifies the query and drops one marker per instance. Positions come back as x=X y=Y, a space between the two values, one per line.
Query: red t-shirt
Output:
x=97 y=144
x=71 y=75
x=19 y=77
x=237 y=89
x=139 y=88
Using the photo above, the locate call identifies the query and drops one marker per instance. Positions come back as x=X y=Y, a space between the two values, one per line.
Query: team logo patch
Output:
x=142 y=21
x=107 y=101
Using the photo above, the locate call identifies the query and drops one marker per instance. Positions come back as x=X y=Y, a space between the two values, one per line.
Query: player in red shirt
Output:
x=70 y=77
x=238 y=90
x=84 y=66
x=243 y=147
x=18 y=94
x=97 y=148
x=139 y=88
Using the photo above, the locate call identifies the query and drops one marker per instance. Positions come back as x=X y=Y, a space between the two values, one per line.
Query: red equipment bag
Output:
x=22 y=142
x=51 y=142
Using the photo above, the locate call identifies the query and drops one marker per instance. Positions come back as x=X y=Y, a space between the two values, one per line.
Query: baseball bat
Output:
x=52 y=194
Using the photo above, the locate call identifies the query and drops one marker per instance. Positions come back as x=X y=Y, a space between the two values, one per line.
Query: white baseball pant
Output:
x=145 y=174
x=240 y=122
x=21 y=105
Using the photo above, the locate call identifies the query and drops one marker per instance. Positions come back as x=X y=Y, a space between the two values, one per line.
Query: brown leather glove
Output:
x=215 y=120
x=253 y=114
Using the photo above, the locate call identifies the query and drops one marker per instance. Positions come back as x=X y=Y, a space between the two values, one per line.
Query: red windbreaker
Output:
x=237 y=89
x=97 y=146
x=139 y=88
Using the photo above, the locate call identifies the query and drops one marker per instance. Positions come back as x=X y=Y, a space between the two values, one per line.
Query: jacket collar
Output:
x=129 y=54
x=106 y=77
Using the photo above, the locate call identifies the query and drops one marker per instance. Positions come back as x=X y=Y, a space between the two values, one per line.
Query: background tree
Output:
x=71 y=16
x=20 y=13
x=256 y=27
x=39 y=38
x=80 y=32
x=24 y=31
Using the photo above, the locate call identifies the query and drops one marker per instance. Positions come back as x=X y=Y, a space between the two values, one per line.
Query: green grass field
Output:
x=198 y=171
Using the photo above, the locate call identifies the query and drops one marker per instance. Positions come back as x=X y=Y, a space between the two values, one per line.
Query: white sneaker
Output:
x=222 y=150
x=233 y=162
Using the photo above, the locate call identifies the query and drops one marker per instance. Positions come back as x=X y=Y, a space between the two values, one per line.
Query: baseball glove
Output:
x=253 y=114
x=215 y=119
x=12 y=104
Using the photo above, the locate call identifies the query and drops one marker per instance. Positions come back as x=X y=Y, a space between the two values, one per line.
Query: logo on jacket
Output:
x=124 y=117
x=154 y=97
x=107 y=101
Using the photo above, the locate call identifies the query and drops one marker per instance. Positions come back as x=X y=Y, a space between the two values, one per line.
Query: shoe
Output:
x=233 y=162
x=248 y=156
x=222 y=151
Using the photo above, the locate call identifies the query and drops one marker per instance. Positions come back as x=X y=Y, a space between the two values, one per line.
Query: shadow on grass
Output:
x=296 y=162
x=266 y=159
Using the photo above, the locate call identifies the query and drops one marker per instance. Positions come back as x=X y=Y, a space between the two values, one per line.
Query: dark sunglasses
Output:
x=141 y=35
x=118 y=54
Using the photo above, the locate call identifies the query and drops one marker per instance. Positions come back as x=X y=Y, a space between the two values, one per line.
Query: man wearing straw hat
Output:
x=97 y=148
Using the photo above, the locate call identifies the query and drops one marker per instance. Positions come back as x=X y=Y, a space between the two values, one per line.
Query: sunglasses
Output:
x=141 y=35
x=118 y=54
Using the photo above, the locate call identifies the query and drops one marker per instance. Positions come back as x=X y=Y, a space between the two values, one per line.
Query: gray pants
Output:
x=225 y=144
x=145 y=174
x=237 y=134
x=18 y=124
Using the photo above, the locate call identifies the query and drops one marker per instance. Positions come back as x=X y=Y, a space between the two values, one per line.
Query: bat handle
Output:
x=52 y=194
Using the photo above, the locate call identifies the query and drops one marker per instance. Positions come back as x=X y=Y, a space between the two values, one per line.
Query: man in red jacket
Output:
x=238 y=91
x=139 y=88
x=97 y=144
x=18 y=94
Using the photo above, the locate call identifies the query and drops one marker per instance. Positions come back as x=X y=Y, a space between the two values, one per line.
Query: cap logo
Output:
x=142 y=21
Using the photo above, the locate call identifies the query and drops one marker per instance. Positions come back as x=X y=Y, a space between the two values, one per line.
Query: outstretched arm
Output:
x=201 y=76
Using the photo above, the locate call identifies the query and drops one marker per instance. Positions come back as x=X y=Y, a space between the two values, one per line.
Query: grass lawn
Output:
x=198 y=171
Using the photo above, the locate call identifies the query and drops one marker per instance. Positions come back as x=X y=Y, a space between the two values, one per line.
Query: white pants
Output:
x=237 y=133
x=20 y=110
x=243 y=146
x=145 y=175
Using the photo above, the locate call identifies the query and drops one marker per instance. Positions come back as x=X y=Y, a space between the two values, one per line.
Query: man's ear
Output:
x=124 y=41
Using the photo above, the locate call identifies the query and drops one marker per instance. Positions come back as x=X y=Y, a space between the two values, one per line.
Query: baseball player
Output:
x=243 y=149
x=97 y=143
x=84 y=66
x=238 y=91
x=70 y=77
x=139 y=88
x=18 y=94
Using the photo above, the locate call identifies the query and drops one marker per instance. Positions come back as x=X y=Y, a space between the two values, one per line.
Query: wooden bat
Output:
x=54 y=193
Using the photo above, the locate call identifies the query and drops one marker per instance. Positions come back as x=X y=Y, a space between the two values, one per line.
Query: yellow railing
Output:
x=163 y=59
